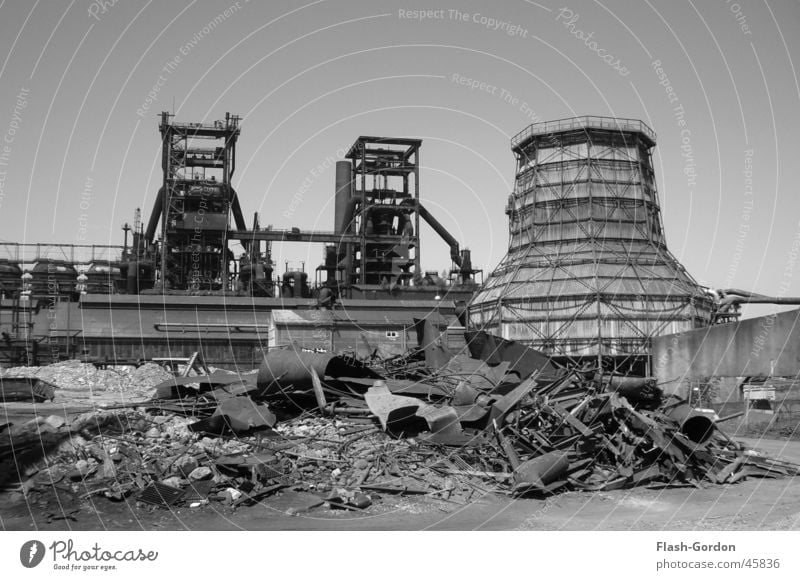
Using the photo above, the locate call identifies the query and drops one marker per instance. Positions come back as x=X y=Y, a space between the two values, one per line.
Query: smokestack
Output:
x=342 y=195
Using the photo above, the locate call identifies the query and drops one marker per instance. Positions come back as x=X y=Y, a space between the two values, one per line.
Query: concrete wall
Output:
x=765 y=346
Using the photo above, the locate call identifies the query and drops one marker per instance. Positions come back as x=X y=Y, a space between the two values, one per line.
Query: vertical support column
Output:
x=166 y=156
x=595 y=258
x=362 y=278
x=417 y=253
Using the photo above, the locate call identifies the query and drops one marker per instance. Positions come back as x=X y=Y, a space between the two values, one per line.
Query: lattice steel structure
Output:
x=385 y=186
x=588 y=272
x=195 y=203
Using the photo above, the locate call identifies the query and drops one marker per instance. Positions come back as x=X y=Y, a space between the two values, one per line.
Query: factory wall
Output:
x=758 y=347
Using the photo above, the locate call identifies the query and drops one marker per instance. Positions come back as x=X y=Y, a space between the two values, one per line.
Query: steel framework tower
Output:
x=588 y=272
x=384 y=185
x=195 y=203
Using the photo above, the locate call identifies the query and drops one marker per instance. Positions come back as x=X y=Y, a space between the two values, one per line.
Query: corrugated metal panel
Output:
x=618 y=152
x=389 y=342
x=546 y=193
x=311 y=338
x=559 y=154
x=232 y=356
x=559 y=231
x=602 y=209
x=560 y=173
x=615 y=172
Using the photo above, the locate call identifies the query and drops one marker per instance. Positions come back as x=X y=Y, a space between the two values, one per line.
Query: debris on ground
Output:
x=75 y=380
x=335 y=432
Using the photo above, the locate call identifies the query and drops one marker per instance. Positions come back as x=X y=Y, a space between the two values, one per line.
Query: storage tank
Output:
x=53 y=278
x=295 y=285
x=139 y=274
x=10 y=278
x=104 y=277
x=255 y=278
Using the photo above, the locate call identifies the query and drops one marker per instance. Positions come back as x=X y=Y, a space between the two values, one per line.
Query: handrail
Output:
x=585 y=122
x=75 y=253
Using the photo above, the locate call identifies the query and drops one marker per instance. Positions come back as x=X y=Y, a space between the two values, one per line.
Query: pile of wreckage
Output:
x=75 y=381
x=346 y=432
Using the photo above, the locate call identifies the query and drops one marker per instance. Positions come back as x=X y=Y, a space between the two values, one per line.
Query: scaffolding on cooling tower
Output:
x=588 y=273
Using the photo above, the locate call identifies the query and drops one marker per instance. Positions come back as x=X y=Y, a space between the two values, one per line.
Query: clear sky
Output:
x=82 y=83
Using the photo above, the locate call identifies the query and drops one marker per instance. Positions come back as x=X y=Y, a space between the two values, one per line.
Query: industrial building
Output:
x=175 y=287
x=588 y=275
x=587 y=279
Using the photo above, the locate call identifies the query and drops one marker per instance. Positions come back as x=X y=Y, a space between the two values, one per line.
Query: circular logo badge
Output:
x=31 y=553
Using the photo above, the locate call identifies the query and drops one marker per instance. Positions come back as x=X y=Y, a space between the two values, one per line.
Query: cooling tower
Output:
x=588 y=272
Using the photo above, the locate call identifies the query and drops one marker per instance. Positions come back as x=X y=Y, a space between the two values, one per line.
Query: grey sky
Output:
x=308 y=78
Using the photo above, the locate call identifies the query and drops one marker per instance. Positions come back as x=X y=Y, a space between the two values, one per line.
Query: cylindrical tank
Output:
x=295 y=285
x=342 y=197
x=10 y=278
x=140 y=275
x=466 y=260
x=262 y=286
x=131 y=275
x=331 y=263
x=53 y=278
x=103 y=278
x=255 y=278
x=432 y=278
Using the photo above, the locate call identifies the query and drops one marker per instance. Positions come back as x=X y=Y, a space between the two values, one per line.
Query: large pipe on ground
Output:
x=152 y=224
x=288 y=369
x=455 y=253
x=696 y=426
x=640 y=391
x=541 y=471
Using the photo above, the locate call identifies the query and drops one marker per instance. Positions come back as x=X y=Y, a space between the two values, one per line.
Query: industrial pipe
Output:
x=640 y=391
x=734 y=296
x=236 y=208
x=343 y=204
x=696 y=426
x=455 y=253
x=152 y=224
x=292 y=369
x=543 y=470
x=132 y=278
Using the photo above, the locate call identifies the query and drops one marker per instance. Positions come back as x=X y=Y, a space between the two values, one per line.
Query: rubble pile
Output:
x=77 y=380
x=350 y=435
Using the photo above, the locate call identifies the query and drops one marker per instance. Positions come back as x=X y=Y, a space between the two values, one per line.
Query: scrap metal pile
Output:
x=346 y=434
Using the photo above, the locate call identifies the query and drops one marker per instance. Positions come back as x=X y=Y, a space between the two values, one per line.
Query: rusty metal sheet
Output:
x=25 y=389
x=541 y=471
x=398 y=414
x=432 y=343
x=289 y=368
x=243 y=414
x=494 y=350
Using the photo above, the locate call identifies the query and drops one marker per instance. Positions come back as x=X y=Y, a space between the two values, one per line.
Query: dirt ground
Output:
x=755 y=504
